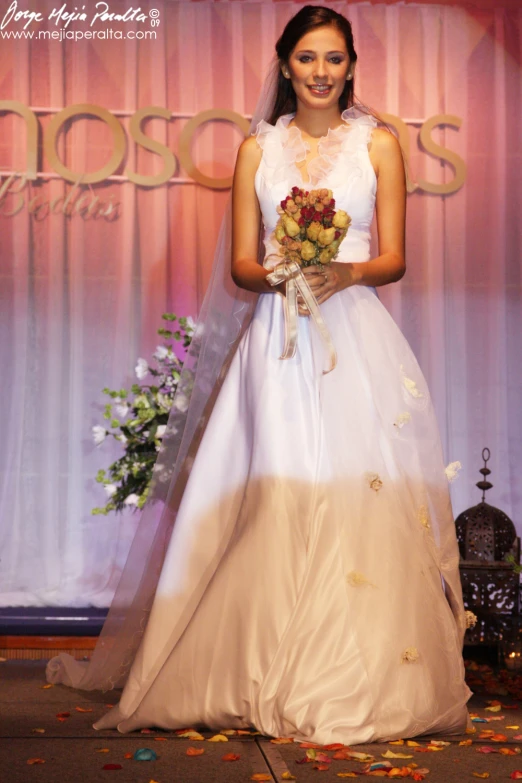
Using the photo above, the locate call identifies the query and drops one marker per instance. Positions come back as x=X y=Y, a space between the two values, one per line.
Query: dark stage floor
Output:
x=72 y=751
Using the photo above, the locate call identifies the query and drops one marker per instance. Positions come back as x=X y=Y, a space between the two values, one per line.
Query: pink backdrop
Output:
x=82 y=299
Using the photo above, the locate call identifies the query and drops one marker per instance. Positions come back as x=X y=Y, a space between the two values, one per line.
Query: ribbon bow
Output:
x=291 y=272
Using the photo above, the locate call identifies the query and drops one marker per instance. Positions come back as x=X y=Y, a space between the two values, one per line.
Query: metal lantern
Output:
x=490 y=585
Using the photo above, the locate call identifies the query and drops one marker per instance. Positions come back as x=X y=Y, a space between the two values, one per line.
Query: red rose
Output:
x=337 y=234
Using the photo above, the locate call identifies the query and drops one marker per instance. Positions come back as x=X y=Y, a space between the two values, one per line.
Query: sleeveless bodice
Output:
x=342 y=164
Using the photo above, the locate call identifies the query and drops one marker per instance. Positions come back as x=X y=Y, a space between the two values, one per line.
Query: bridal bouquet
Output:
x=309 y=229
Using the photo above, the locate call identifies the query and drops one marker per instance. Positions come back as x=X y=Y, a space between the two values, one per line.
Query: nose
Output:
x=320 y=69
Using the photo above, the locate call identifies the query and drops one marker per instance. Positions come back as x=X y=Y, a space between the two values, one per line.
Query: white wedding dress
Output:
x=310 y=587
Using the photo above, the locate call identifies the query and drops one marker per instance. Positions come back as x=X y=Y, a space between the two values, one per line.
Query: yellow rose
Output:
x=341 y=219
x=279 y=231
x=307 y=250
x=291 y=227
x=326 y=236
x=313 y=230
x=326 y=255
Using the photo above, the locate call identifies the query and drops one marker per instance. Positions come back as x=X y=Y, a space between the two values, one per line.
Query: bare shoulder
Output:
x=384 y=148
x=249 y=153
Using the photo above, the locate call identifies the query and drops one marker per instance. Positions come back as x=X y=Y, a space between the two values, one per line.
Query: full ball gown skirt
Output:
x=310 y=587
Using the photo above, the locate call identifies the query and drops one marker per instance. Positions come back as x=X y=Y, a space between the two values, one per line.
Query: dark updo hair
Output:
x=310 y=17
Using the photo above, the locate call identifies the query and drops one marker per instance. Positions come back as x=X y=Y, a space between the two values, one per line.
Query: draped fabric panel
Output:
x=81 y=296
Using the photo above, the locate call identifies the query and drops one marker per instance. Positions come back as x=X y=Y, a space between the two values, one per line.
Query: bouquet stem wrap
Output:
x=291 y=273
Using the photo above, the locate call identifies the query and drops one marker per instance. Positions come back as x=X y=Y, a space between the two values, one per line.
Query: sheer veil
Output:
x=225 y=314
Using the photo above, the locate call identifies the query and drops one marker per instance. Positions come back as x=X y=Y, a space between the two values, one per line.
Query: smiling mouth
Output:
x=320 y=88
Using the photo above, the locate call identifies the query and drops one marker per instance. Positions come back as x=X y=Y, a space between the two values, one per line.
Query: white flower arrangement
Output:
x=138 y=420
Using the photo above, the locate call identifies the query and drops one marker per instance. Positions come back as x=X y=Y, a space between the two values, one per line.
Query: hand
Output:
x=326 y=281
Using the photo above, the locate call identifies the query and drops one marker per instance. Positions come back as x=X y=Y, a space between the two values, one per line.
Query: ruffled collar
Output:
x=296 y=147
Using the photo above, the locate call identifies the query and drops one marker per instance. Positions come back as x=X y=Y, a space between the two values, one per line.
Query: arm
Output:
x=390 y=264
x=246 y=222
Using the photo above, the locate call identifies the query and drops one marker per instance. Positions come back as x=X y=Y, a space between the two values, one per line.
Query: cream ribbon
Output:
x=291 y=273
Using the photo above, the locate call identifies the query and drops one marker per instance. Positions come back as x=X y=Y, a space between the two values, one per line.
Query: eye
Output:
x=334 y=60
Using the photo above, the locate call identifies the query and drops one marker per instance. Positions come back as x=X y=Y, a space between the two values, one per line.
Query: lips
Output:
x=320 y=89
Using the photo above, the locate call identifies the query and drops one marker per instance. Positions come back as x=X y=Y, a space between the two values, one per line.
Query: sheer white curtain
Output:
x=80 y=300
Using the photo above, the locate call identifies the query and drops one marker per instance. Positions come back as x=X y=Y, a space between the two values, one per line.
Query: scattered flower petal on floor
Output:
x=83 y=709
x=282 y=741
x=112 y=766
x=357 y=756
x=38 y=731
x=440 y=743
x=230 y=757
x=310 y=745
x=101 y=750
x=218 y=738
x=513 y=727
x=322 y=758
x=413 y=744
x=193 y=735
x=466 y=742
x=481 y=774
x=342 y=755
x=510 y=751
x=347 y=775
x=160 y=739
x=335 y=746
x=396 y=742
x=145 y=754
x=261 y=776
x=322 y=767
x=494 y=708
x=63 y=715
x=288 y=776
x=516 y=775
x=230 y=732
x=128 y=756
x=36 y=761
x=46 y=687
x=391 y=755
x=195 y=751
x=147 y=731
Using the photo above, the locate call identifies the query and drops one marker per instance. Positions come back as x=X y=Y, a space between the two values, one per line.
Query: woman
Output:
x=309 y=586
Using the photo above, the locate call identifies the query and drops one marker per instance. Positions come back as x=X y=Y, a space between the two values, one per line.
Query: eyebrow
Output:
x=311 y=51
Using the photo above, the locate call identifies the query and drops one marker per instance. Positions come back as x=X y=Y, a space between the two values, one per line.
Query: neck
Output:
x=316 y=122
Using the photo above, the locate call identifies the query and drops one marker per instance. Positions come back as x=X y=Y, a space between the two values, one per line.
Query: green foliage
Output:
x=138 y=418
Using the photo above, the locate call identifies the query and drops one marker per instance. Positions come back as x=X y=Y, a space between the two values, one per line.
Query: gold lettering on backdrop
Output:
x=437 y=151
x=31 y=123
x=139 y=137
x=37 y=205
x=51 y=133
x=14 y=186
x=185 y=139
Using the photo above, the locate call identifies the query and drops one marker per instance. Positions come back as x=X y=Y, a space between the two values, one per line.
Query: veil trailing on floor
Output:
x=225 y=314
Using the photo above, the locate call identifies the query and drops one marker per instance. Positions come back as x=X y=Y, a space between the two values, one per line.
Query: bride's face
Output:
x=319 y=59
